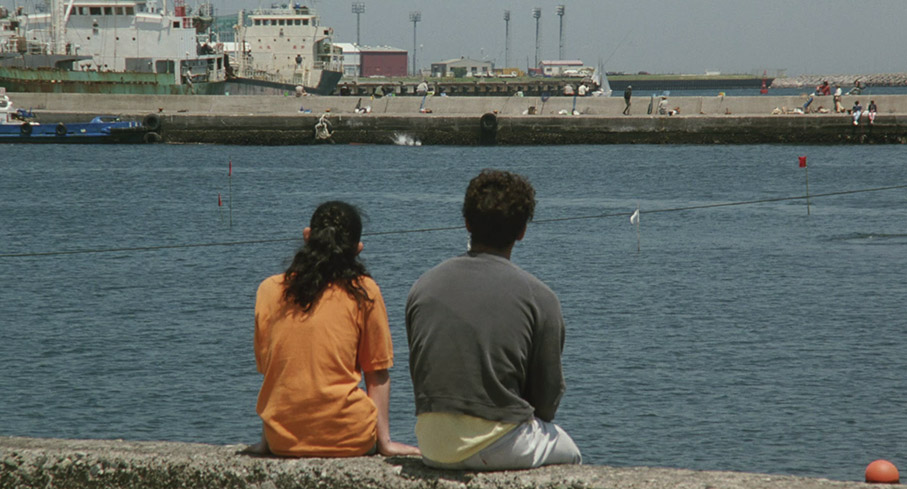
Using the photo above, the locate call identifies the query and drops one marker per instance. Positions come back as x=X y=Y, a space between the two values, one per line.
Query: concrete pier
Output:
x=97 y=464
x=284 y=120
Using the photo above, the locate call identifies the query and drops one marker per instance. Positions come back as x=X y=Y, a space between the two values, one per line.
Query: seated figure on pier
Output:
x=319 y=328
x=485 y=340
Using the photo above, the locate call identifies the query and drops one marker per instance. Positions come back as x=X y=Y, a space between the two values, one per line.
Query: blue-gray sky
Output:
x=665 y=36
x=659 y=36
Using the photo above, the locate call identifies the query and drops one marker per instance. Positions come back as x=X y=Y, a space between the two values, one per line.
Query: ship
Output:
x=111 y=46
x=284 y=49
x=709 y=81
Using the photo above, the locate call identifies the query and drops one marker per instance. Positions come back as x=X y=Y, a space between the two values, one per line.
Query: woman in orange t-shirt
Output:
x=317 y=326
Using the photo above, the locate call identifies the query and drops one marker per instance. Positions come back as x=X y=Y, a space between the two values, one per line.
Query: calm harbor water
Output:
x=752 y=337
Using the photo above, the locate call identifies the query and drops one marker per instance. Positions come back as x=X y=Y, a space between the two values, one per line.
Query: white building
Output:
x=466 y=66
x=562 y=67
x=352 y=59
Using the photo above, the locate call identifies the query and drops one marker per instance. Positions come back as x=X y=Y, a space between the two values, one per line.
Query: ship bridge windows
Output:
x=279 y=22
x=104 y=10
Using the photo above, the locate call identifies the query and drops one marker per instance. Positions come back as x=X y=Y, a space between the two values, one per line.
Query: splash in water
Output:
x=406 y=140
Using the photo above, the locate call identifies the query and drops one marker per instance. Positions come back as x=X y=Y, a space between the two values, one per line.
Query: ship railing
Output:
x=296 y=78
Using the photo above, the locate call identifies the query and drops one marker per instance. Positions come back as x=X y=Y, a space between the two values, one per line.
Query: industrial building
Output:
x=373 y=61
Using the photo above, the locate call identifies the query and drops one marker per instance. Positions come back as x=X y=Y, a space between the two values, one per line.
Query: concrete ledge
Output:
x=76 y=464
x=262 y=105
x=433 y=129
x=275 y=120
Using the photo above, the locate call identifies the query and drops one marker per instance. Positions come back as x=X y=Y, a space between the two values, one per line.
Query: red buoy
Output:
x=882 y=472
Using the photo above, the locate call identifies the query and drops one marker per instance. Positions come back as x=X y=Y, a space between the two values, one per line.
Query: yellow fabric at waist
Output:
x=452 y=437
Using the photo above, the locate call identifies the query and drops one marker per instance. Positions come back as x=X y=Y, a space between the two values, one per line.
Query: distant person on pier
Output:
x=856 y=112
x=320 y=328
x=663 y=105
x=485 y=340
x=627 y=94
x=809 y=101
x=838 y=107
x=823 y=89
x=871 y=112
x=857 y=88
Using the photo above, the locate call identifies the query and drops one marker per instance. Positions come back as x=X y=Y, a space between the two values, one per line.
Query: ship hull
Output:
x=16 y=79
x=251 y=86
x=620 y=83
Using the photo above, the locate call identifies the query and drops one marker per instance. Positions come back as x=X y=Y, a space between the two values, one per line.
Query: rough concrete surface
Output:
x=58 y=463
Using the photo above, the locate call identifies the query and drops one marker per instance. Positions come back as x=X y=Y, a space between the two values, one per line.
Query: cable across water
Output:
x=448 y=228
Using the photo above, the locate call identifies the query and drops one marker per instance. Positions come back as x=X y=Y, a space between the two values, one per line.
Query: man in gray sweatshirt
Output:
x=485 y=340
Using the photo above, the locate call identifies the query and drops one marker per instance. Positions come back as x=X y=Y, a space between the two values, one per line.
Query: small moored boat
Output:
x=19 y=126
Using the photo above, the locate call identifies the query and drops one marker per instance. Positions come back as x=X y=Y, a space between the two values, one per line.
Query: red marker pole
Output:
x=803 y=165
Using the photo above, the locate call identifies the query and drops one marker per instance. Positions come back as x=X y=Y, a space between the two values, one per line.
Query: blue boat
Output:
x=19 y=126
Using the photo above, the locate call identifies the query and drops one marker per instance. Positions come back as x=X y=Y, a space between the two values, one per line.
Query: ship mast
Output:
x=58 y=27
x=239 y=44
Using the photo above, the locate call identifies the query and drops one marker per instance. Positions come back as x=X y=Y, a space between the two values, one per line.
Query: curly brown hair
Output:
x=498 y=205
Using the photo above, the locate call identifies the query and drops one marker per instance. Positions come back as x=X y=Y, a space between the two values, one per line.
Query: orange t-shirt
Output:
x=310 y=400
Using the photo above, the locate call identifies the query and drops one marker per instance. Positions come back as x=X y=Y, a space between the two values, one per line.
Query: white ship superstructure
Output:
x=124 y=36
x=286 y=44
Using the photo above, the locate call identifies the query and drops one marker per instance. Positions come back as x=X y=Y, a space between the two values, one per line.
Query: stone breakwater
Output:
x=279 y=120
x=846 y=81
x=100 y=464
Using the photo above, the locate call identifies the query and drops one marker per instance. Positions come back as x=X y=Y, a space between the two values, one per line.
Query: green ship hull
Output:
x=40 y=80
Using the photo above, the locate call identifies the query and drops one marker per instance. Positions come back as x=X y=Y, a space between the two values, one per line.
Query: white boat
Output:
x=600 y=79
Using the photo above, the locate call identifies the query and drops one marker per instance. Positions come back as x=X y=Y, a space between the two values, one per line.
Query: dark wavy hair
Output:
x=330 y=256
x=498 y=205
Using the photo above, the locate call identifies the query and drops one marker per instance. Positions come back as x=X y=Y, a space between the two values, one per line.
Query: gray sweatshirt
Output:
x=485 y=339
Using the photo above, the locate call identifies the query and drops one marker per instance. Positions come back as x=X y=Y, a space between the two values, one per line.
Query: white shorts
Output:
x=532 y=444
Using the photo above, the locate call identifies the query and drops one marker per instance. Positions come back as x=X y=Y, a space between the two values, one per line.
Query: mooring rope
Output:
x=447 y=228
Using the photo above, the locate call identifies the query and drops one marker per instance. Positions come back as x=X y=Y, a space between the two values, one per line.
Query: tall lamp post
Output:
x=507 y=39
x=358 y=8
x=415 y=18
x=560 y=13
x=537 y=14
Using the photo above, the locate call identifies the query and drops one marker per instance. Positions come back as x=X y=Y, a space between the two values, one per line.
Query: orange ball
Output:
x=883 y=472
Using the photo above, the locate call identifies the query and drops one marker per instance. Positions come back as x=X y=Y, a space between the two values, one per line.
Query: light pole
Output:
x=358 y=8
x=415 y=17
x=537 y=14
x=507 y=39
x=560 y=13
